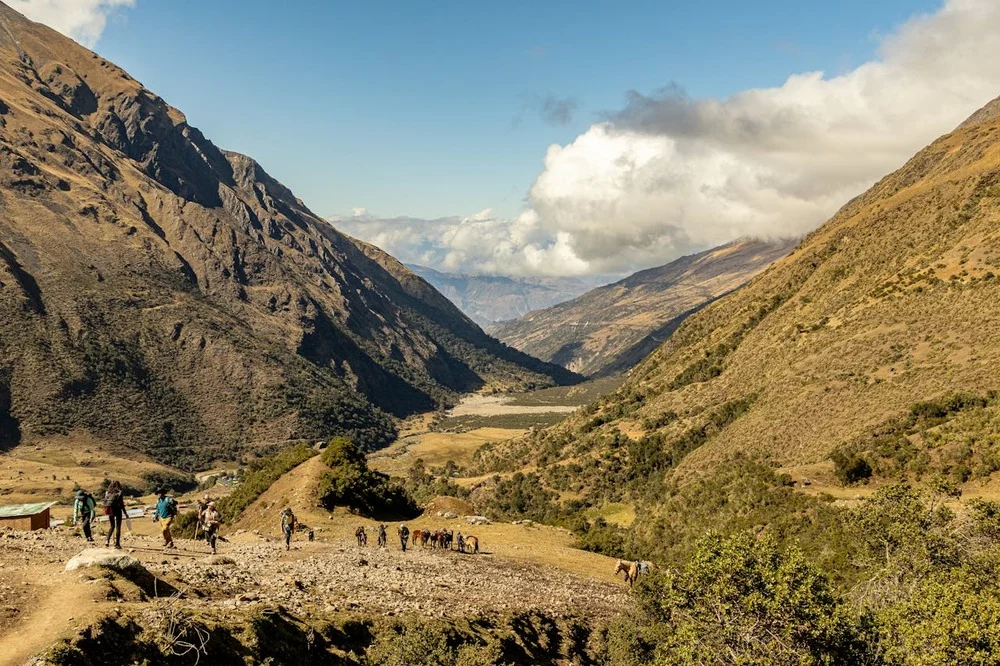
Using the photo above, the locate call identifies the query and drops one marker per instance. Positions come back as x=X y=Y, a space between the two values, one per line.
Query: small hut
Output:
x=25 y=517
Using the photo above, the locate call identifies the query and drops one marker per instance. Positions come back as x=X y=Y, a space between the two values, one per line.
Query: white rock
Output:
x=106 y=558
x=477 y=520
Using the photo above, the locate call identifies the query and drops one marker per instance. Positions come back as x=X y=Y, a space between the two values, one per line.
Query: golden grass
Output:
x=48 y=469
x=436 y=449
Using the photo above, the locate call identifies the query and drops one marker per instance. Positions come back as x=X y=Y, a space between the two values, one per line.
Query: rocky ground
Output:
x=429 y=582
x=313 y=578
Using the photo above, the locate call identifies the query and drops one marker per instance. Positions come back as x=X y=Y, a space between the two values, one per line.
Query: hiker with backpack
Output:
x=84 y=511
x=381 y=536
x=114 y=509
x=288 y=524
x=404 y=535
x=166 y=510
x=211 y=521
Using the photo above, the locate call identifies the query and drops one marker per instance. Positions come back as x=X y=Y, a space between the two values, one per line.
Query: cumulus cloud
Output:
x=83 y=20
x=668 y=174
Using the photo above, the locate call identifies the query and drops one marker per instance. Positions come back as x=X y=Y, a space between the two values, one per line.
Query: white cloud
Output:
x=83 y=20
x=667 y=174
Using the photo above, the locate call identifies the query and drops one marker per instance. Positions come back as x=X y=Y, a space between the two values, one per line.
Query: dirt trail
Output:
x=519 y=568
x=42 y=603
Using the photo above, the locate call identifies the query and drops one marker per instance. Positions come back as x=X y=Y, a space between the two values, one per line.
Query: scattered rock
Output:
x=477 y=520
x=449 y=515
x=218 y=560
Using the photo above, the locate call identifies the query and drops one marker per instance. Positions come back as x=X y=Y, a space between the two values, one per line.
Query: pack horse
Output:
x=632 y=570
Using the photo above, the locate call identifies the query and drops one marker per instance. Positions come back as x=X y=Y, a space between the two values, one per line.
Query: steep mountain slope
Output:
x=611 y=328
x=172 y=297
x=857 y=341
x=489 y=299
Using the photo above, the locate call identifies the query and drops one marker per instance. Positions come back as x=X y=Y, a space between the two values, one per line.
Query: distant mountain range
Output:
x=490 y=299
x=611 y=328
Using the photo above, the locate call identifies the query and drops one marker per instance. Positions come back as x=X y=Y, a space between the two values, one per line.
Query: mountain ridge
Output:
x=492 y=299
x=173 y=298
x=611 y=328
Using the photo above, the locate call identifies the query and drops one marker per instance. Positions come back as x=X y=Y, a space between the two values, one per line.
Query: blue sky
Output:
x=433 y=109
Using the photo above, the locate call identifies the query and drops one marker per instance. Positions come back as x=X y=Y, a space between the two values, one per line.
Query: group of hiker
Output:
x=166 y=510
x=209 y=521
x=113 y=503
x=437 y=539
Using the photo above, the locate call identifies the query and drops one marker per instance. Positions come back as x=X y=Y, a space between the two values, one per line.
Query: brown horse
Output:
x=416 y=536
x=472 y=544
x=632 y=570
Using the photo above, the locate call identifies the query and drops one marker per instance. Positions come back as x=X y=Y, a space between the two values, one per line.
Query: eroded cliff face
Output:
x=170 y=296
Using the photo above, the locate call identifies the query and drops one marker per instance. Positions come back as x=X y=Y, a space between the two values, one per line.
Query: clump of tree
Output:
x=424 y=483
x=349 y=482
x=177 y=482
x=738 y=600
x=915 y=584
x=952 y=437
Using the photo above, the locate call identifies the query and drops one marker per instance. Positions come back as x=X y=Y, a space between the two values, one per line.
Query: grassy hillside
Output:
x=891 y=303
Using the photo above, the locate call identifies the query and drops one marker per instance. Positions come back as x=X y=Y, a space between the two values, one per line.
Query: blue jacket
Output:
x=165 y=508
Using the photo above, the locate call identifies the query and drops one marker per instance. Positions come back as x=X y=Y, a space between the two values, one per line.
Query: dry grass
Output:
x=436 y=449
x=49 y=470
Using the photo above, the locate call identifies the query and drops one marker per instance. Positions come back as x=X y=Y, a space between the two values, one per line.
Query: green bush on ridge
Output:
x=349 y=482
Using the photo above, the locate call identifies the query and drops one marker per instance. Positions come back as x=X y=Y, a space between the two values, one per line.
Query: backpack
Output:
x=88 y=505
x=171 y=507
x=110 y=499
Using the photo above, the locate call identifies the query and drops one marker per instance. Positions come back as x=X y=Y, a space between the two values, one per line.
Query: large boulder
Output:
x=105 y=558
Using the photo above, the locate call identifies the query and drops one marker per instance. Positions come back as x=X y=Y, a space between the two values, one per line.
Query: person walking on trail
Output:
x=202 y=505
x=114 y=509
x=211 y=520
x=288 y=523
x=461 y=542
x=404 y=535
x=381 y=536
x=166 y=510
x=84 y=511
x=362 y=536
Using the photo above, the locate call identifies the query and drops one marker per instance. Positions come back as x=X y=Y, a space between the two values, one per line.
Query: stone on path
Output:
x=105 y=558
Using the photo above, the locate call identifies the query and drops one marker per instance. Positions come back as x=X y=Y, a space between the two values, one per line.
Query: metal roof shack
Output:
x=25 y=517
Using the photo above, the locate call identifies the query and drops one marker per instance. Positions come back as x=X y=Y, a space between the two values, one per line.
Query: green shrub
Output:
x=349 y=482
x=952 y=618
x=850 y=468
x=258 y=477
x=741 y=598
